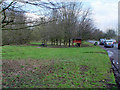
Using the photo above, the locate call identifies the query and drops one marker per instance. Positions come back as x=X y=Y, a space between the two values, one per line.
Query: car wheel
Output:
x=118 y=47
x=112 y=46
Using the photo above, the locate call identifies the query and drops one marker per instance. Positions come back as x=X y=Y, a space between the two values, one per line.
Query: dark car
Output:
x=102 y=41
x=119 y=45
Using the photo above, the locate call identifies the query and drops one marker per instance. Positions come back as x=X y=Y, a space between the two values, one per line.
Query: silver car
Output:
x=109 y=43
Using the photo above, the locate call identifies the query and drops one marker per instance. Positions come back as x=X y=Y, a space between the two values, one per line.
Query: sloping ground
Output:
x=29 y=66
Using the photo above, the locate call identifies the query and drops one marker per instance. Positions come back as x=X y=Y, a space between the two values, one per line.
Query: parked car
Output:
x=113 y=40
x=119 y=45
x=102 y=41
x=109 y=43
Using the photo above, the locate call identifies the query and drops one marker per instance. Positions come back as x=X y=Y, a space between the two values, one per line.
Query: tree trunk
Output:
x=57 y=42
x=51 y=42
x=64 y=42
x=69 y=42
x=60 y=42
x=72 y=42
x=54 y=42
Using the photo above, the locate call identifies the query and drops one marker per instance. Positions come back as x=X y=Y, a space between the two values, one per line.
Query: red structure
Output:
x=77 y=42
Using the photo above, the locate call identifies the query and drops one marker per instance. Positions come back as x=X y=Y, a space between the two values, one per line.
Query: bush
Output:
x=15 y=37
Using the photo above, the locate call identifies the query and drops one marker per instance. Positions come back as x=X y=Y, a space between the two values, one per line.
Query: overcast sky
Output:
x=105 y=13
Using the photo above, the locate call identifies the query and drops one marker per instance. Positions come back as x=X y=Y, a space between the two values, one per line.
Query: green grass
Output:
x=87 y=43
x=57 y=67
x=25 y=52
x=0 y=52
x=36 y=43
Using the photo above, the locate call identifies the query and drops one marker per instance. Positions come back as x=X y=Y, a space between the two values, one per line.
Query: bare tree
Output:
x=71 y=21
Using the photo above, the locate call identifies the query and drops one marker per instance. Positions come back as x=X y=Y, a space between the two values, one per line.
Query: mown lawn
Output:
x=38 y=43
x=32 y=66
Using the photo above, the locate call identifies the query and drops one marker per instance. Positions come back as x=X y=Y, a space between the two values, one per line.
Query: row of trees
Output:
x=65 y=21
x=70 y=21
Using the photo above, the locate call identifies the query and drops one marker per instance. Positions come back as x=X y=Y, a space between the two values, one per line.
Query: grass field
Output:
x=42 y=67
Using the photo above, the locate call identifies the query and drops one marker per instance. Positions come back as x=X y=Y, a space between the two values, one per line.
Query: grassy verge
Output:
x=38 y=43
x=31 y=66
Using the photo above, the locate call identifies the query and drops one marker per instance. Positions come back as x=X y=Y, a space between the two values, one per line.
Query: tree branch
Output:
x=29 y=26
x=43 y=4
x=7 y=7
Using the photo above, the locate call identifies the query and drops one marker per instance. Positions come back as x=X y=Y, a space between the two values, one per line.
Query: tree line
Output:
x=65 y=21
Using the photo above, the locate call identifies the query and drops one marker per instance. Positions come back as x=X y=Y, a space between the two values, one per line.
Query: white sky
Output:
x=105 y=13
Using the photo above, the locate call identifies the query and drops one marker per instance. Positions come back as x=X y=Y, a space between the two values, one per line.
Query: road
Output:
x=114 y=54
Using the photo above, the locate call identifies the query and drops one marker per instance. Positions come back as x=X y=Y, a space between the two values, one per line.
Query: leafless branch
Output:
x=7 y=7
x=29 y=26
x=45 y=5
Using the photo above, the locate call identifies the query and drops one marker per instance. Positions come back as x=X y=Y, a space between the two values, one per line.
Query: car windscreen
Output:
x=109 y=41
